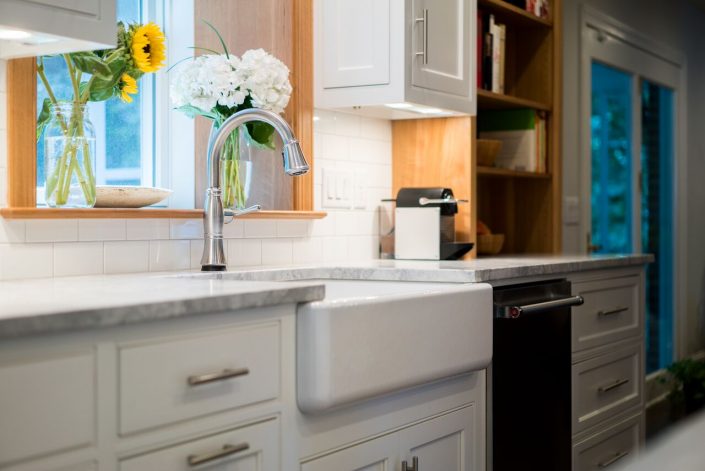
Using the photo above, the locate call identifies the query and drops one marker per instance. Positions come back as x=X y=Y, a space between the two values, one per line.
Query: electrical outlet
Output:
x=337 y=188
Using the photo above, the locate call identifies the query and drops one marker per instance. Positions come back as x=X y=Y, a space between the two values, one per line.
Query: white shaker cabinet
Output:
x=444 y=443
x=396 y=59
x=56 y=26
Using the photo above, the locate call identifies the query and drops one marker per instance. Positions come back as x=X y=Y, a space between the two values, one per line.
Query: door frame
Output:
x=591 y=19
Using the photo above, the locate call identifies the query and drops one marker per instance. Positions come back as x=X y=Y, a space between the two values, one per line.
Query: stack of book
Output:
x=523 y=136
x=491 y=38
x=535 y=7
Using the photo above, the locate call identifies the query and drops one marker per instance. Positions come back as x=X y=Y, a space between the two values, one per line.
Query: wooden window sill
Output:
x=141 y=213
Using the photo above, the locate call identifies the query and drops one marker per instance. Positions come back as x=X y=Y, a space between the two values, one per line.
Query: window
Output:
x=140 y=143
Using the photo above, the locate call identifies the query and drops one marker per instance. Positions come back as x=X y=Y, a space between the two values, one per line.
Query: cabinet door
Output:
x=446 y=443
x=354 y=35
x=441 y=45
x=379 y=454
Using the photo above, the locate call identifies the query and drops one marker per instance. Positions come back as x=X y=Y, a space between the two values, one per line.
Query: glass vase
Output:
x=69 y=157
x=236 y=169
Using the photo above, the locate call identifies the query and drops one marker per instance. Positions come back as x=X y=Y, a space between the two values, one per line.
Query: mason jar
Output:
x=69 y=157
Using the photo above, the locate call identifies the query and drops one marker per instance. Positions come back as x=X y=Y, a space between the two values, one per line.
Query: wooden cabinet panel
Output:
x=379 y=454
x=609 y=448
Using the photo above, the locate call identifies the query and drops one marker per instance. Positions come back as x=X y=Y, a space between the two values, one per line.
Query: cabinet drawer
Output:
x=171 y=381
x=611 y=312
x=47 y=406
x=609 y=448
x=606 y=385
x=253 y=448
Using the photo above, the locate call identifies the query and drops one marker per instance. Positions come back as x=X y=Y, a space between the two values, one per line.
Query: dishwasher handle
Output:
x=513 y=312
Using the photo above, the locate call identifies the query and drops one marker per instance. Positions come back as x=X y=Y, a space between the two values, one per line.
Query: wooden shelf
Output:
x=141 y=213
x=508 y=13
x=490 y=100
x=503 y=172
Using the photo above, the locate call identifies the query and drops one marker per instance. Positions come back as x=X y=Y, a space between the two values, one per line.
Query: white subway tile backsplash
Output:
x=234 y=229
x=126 y=256
x=334 y=147
x=276 y=251
x=197 y=253
x=323 y=227
x=260 y=228
x=370 y=150
x=12 y=231
x=3 y=149
x=186 y=229
x=3 y=110
x=244 y=252
x=293 y=228
x=168 y=255
x=3 y=187
x=347 y=124
x=380 y=129
x=78 y=258
x=324 y=121
x=51 y=230
x=307 y=250
x=101 y=229
x=19 y=261
x=3 y=76
x=363 y=248
x=345 y=223
x=147 y=229
x=367 y=223
x=335 y=249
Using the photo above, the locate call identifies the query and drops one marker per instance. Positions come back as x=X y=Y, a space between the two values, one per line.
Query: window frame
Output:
x=21 y=107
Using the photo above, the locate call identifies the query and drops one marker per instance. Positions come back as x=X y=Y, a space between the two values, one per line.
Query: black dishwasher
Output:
x=531 y=376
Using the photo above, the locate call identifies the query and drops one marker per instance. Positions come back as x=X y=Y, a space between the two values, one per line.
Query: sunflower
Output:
x=128 y=86
x=148 y=48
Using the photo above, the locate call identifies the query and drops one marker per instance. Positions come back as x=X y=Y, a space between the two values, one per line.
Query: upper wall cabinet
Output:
x=396 y=59
x=38 y=27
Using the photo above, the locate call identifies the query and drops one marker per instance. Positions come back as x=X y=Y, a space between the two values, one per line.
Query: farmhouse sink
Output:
x=372 y=338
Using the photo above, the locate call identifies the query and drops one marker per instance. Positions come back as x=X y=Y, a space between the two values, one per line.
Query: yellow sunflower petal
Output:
x=128 y=86
x=148 y=48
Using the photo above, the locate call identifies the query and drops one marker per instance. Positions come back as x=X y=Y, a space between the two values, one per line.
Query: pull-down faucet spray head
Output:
x=293 y=161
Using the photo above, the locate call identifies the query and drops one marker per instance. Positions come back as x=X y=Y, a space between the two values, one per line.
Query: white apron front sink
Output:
x=372 y=338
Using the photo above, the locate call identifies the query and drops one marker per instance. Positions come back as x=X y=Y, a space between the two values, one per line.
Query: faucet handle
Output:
x=232 y=213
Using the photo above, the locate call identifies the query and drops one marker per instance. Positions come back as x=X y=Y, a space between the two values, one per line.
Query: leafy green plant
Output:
x=688 y=380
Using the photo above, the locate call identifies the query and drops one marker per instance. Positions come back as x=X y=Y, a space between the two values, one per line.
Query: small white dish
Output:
x=110 y=196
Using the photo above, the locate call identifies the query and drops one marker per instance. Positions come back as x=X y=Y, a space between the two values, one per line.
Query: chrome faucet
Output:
x=214 y=216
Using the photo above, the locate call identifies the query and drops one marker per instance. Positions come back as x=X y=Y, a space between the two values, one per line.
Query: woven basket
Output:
x=489 y=244
x=487 y=151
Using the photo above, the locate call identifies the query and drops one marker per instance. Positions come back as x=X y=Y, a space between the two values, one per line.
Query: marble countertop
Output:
x=472 y=271
x=63 y=304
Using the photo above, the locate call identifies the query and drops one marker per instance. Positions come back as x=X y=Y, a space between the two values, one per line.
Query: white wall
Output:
x=680 y=26
x=62 y=247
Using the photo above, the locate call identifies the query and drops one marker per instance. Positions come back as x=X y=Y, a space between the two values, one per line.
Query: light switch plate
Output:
x=360 y=189
x=571 y=210
x=337 y=188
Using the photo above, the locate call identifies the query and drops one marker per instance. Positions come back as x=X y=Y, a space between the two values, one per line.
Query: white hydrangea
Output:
x=218 y=79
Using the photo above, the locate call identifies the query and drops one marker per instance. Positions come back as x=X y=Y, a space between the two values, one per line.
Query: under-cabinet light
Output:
x=399 y=106
x=13 y=34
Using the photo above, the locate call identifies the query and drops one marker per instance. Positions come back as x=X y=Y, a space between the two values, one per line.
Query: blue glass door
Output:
x=632 y=190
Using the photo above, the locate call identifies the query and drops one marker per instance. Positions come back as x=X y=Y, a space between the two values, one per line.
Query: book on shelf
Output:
x=523 y=136
x=538 y=8
x=490 y=64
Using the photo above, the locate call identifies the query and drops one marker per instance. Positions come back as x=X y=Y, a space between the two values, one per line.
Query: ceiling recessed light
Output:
x=14 y=34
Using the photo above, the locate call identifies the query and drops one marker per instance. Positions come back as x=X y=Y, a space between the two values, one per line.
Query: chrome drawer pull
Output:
x=424 y=53
x=613 y=460
x=227 y=450
x=227 y=373
x=611 y=386
x=612 y=312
